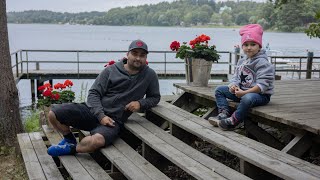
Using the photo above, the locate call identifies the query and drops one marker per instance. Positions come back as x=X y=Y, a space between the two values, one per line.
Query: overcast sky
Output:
x=76 y=5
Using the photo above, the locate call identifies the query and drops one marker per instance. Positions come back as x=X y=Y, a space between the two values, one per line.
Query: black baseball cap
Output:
x=138 y=44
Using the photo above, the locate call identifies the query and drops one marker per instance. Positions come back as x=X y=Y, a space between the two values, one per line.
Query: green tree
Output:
x=314 y=27
x=215 y=18
x=241 y=19
x=226 y=18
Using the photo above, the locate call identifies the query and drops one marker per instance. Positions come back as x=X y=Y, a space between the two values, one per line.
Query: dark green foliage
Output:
x=282 y=15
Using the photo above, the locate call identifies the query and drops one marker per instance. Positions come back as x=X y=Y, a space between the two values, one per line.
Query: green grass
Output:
x=32 y=122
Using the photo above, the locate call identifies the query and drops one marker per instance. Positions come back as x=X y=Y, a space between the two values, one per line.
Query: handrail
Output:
x=22 y=57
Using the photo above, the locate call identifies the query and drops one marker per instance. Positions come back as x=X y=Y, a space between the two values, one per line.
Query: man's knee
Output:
x=52 y=117
x=98 y=141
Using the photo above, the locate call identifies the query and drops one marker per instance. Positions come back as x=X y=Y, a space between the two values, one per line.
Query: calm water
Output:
x=80 y=37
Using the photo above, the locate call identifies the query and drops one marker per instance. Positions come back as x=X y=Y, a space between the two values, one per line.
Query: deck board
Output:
x=294 y=103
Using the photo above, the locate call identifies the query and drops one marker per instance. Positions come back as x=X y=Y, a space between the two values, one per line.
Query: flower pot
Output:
x=44 y=120
x=198 y=72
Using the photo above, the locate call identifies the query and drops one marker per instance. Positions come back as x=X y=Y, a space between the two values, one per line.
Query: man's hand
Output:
x=133 y=106
x=107 y=121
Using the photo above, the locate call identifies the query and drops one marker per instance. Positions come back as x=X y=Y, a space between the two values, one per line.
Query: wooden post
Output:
x=33 y=94
x=309 y=65
x=236 y=56
x=37 y=66
x=17 y=65
x=230 y=62
x=39 y=83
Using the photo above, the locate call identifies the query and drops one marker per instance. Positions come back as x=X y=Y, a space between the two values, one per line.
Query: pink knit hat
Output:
x=251 y=32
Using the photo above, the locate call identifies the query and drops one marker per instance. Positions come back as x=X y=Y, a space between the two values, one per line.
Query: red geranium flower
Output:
x=41 y=88
x=47 y=85
x=47 y=93
x=197 y=48
x=174 y=46
x=55 y=96
x=68 y=83
x=109 y=63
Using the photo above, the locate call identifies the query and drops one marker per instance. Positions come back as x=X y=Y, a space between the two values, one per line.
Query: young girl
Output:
x=252 y=83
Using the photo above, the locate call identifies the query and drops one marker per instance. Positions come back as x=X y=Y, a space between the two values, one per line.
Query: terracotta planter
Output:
x=198 y=72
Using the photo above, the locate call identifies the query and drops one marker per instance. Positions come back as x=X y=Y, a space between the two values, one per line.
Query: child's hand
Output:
x=239 y=93
x=233 y=88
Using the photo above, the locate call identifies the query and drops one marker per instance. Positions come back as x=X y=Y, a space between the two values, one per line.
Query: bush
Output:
x=32 y=122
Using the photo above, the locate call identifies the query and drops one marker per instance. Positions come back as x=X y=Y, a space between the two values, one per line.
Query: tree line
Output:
x=291 y=17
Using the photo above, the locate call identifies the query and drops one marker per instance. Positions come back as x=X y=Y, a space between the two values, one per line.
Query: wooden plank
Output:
x=139 y=161
x=305 y=166
x=312 y=126
x=30 y=158
x=219 y=168
x=129 y=168
x=92 y=166
x=70 y=162
x=226 y=141
x=299 y=145
x=49 y=167
x=186 y=163
x=262 y=135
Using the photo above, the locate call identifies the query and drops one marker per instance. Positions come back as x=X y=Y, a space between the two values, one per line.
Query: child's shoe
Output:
x=229 y=124
x=215 y=120
x=60 y=150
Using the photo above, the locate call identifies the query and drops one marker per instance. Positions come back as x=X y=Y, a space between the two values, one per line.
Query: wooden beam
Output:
x=262 y=135
x=186 y=102
x=299 y=145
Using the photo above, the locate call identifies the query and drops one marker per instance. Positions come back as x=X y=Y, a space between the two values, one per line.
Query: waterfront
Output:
x=80 y=37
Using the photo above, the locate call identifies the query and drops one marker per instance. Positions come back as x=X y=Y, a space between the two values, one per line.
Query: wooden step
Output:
x=258 y=154
x=79 y=166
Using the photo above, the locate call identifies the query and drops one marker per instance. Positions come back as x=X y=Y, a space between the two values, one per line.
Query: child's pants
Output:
x=247 y=101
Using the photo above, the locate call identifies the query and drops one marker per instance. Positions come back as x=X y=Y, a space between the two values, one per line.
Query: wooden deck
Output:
x=295 y=103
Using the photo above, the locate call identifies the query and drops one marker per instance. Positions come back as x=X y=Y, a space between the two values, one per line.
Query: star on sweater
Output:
x=243 y=77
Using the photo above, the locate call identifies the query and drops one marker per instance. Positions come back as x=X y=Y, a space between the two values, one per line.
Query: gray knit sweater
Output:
x=255 y=71
x=114 y=88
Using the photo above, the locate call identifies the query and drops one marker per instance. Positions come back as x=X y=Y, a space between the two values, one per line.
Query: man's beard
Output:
x=135 y=68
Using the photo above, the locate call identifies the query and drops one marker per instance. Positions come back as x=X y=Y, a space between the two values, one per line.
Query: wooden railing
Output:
x=21 y=61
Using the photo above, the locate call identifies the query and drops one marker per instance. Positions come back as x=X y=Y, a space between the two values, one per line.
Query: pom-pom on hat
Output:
x=138 y=44
x=251 y=32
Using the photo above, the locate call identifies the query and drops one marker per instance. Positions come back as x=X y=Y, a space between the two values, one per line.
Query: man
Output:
x=118 y=91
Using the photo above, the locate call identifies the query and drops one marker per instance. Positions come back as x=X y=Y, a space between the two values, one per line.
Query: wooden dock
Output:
x=295 y=103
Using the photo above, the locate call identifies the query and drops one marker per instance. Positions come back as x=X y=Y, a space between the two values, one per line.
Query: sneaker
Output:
x=61 y=150
x=223 y=114
x=229 y=124
x=65 y=141
x=215 y=120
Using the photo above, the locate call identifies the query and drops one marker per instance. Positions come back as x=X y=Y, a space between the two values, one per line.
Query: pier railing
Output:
x=23 y=61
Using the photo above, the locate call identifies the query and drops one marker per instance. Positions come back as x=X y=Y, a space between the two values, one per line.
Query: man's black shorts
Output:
x=80 y=117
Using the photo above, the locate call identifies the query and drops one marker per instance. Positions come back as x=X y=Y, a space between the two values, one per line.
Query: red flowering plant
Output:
x=60 y=93
x=199 y=48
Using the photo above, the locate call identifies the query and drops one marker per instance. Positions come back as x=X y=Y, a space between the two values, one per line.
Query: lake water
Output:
x=81 y=37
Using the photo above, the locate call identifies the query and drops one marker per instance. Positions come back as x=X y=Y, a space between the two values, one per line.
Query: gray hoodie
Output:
x=255 y=71
x=114 y=88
